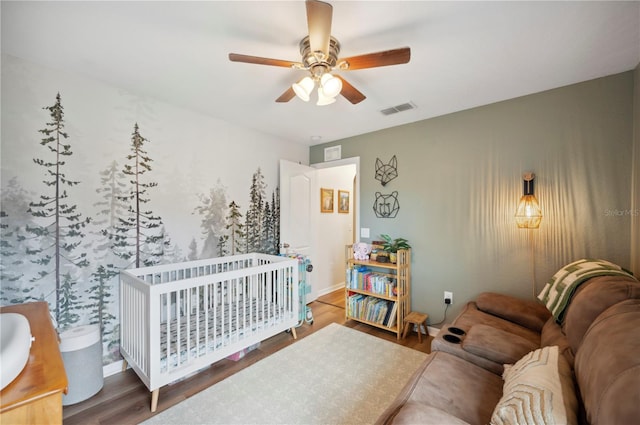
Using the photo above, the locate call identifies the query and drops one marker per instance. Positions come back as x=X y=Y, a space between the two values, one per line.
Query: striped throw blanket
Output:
x=558 y=291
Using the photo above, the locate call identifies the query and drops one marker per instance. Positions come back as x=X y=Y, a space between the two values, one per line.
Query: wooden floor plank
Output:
x=125 y=400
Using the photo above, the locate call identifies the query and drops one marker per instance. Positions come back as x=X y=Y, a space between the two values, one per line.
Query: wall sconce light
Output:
x=528 y=213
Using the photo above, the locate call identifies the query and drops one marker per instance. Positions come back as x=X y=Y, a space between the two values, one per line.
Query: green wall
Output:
x=460 y=177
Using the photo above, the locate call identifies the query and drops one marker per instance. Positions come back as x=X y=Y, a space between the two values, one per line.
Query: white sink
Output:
x=15 y=343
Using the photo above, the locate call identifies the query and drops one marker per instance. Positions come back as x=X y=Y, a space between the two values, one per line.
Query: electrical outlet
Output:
x=448 y=297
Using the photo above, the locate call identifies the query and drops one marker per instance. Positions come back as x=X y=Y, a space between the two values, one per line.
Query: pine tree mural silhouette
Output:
x=138 y=236
x=70 y=303
x=100 y=296
x=222 y=246
x=212 y=209
x=267 y=230
x=172 y=252
x=113 y=186
x=254 y=222
x=10 y=274
x=229 y=234
x=275 y=205
x=15 y=287
x=271 y=226
x=56 y=239
x=235 y=228
x=193 y=250
x=104 y=278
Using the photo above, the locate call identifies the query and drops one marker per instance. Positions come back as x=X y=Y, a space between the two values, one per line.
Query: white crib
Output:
x=178 y=318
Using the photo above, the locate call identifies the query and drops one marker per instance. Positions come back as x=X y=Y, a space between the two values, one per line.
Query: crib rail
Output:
x=179 y=318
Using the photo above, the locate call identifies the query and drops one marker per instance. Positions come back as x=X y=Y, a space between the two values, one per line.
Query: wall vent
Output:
x=398 y=108
x=333 y=153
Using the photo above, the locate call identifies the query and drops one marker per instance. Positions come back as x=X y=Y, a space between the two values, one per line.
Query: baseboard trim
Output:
x=112 y=368
x=330 y=289
x=433 y=331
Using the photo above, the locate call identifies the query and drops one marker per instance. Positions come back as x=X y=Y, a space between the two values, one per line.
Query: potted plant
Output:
x=393 y=245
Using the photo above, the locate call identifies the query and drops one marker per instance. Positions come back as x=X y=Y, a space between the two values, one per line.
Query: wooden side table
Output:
x=417 y=319
x=35 y=396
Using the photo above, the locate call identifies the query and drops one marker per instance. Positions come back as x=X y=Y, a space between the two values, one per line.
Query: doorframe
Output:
x=356 y=199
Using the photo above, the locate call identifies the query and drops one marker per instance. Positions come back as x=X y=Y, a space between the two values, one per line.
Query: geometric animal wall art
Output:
x=386 y=206
x=386 y=172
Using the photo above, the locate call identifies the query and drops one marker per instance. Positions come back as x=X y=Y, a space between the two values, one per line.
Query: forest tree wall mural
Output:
x=75 y=210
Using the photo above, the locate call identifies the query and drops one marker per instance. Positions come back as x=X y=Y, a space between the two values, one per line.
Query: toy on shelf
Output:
x=361 y=251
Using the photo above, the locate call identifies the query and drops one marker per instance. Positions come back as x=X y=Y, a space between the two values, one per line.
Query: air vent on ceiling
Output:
x=398 y=108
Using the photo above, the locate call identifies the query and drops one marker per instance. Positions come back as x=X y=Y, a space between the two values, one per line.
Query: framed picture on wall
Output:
x=326 y=200
x=343 y=201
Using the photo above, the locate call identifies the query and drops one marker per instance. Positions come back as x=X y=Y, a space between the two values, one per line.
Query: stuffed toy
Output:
x=361 y=251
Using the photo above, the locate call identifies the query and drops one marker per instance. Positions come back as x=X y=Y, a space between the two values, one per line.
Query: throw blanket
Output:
x=558 y=291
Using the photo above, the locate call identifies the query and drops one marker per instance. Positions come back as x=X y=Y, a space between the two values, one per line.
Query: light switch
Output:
x=364 y=232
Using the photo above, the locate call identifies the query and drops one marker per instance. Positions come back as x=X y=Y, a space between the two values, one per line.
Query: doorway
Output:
x=320 y=235
x=336 y=230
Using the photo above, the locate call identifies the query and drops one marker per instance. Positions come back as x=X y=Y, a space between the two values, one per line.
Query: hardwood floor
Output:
x=125 y=400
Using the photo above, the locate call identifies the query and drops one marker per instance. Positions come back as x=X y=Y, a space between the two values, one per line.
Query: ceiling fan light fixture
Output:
x=303 y=88
x=331 y=86
x=323 y=99
x=320 y=54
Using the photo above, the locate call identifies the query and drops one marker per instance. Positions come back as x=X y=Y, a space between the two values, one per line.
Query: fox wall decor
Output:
x=386 y=172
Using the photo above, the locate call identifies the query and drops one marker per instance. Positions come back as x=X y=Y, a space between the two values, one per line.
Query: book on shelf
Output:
x=365 y=279
x=393 y=315
x=372 y=309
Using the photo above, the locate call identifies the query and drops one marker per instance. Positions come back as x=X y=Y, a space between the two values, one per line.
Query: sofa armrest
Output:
x=530 y=314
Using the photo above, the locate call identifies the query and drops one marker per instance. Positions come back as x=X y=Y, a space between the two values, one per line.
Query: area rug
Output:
x=336 y=375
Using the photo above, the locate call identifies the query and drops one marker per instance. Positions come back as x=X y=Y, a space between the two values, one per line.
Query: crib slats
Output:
x=167 y=298
x=178 y=318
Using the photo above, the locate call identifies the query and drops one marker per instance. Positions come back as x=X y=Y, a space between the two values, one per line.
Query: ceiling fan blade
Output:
x=349 y=92
x=286 y=96
x=374 y=60
x=319 y=22
x=235 y=57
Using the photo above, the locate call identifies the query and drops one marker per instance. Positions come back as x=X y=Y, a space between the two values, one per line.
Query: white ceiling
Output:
x=463 y=54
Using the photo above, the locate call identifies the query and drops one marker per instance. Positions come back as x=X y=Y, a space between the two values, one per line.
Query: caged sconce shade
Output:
x=528 y=212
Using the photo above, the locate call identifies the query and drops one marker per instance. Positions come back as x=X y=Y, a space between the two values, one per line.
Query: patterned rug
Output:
x=334 y=376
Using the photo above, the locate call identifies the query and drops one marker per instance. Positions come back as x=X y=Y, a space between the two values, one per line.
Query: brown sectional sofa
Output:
x=598 y=352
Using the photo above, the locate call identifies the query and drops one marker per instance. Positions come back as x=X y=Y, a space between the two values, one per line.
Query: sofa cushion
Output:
x=496 y=344
x=471 y=316
x=530 y=314
x=607 y=366
x=418 y=413
x=591 y=299
x=450 y=384
x=537 y=389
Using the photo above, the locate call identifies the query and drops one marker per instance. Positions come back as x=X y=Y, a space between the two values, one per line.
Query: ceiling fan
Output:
x=320 y=52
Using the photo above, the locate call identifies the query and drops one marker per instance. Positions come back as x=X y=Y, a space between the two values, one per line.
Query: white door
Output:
x=299 y=203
